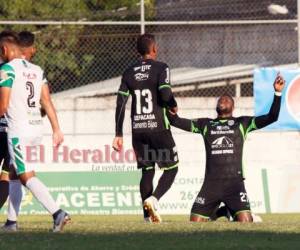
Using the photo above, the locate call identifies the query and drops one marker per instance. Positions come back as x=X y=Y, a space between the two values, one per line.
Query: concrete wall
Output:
x=95 y=117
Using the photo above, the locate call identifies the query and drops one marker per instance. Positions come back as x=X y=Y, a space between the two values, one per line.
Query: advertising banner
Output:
x=289 y=118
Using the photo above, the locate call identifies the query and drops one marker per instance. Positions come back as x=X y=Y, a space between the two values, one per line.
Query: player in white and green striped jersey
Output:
x=22 y=89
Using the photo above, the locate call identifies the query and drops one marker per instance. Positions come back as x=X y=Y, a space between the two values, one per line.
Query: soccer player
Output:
x=224 y=139
x=26 y=44
x=4 y=154
x=22 y=88
x=4 y=162
x=148 y=82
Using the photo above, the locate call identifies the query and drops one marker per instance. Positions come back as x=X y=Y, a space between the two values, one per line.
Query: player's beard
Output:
x=223 y=111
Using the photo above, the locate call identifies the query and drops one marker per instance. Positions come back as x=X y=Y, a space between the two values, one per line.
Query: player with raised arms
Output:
x=22 y=88
x=148 y=82
x=224 y=139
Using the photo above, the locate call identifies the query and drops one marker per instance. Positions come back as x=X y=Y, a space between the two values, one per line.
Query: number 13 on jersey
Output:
x=146 y=95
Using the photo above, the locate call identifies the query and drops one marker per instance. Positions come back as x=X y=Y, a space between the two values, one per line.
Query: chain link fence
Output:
x=209 y=38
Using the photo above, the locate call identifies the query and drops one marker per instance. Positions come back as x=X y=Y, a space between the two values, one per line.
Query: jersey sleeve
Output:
x=247 y=125
x=164 y=78
x=7 y=76
x=195 y=126
x=250 y=123
x=123 y=89
x=164 y=87
x=44 y=79
x=199 y=126
x=122 y=98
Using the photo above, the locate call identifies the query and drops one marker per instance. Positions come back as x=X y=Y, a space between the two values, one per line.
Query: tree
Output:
x=69 y=54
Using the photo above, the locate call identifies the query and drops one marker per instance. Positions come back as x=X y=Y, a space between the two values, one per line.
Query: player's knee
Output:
x=4 y=176
x=171 y=173
x=26 y=176
x=245 y=217
x=196 y=218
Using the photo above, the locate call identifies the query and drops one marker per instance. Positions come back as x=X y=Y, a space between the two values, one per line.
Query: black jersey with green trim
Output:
x=224 y=142
x=224 y=139
x=148 y=82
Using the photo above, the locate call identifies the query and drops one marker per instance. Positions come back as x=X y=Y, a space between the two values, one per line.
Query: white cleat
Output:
x=151 y=205
x=256 y=218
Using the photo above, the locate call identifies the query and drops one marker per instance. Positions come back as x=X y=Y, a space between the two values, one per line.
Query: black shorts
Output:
x=4 y=154
x=232 y=192
x=155 y=147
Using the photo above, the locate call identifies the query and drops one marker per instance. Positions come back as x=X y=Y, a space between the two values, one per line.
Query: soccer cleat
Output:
x=256 y=218
x=151 y=205
x=10 y=227
x=60 y=221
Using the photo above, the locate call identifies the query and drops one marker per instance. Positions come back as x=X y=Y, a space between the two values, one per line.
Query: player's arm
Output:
x=165 y=90
x=194 y=126
x=48 y=107
x=4 y=99
x=252 y=123
x=122 y=98
x=7 y=77
x=272 y=116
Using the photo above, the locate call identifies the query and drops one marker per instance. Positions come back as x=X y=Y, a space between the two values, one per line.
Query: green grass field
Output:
x=129 y=232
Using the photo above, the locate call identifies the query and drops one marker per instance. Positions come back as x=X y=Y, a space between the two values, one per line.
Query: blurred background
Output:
x=94 y=40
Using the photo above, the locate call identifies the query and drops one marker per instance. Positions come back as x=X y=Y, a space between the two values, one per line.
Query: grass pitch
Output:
x=130 y=232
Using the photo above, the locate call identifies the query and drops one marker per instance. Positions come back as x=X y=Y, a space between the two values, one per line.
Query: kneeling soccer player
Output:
x=224 y=139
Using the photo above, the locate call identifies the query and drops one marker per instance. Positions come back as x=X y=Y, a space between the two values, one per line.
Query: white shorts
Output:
x=20 y=150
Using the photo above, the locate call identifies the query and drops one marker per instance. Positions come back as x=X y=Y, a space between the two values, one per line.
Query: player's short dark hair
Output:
x=144 y=43
x=9 y=36
x=26 y=38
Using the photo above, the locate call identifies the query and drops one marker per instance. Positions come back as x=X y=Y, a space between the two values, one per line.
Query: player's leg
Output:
x=206 y=202
x=167 y=159
x=4 y=163
x=148 y=171
x=236 y=199
x=14 y=202
x=165 y=155
x=146 y=189
x=27 y=177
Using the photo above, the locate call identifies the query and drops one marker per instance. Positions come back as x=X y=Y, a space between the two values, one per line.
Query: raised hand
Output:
x=279 y=83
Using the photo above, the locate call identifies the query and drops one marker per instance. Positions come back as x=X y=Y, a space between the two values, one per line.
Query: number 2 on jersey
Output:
x=30 y=88
x=148 y=108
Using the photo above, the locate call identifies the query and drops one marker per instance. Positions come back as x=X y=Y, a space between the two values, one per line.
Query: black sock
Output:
x=4 y=190
x=10 y=222
x=146 y=186
x=165 y=182
x=56 y=213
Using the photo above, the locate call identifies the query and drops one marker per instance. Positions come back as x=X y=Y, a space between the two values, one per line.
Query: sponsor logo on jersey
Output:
x=222 y=145
x=200 y=200
x=293 y=98
x=141 y=76
x=221 y=130
x=142 y=68
x=222 y=142
x=231 y=122
x=29 y=76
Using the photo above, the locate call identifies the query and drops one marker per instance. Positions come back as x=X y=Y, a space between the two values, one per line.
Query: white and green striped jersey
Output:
x=25 y=80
